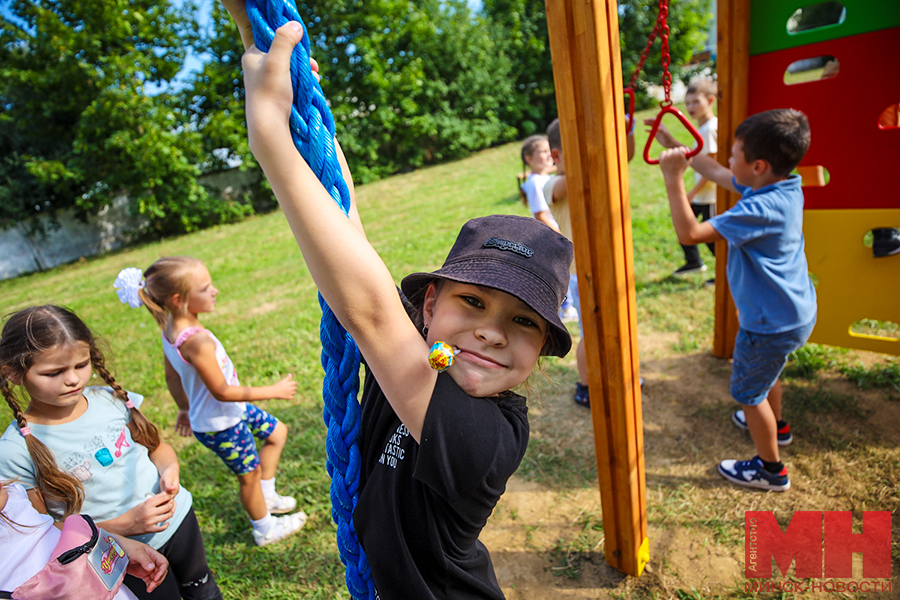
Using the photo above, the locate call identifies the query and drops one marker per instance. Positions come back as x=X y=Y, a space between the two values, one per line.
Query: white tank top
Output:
x=207 y=414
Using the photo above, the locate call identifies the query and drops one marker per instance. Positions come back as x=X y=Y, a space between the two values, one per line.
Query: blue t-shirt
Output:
x=97 y=449
x=767 y=268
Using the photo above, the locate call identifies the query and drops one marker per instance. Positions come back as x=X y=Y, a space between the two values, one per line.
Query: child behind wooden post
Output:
x=699 y=101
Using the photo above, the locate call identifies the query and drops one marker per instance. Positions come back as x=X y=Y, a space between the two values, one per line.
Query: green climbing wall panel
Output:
x=768 y=22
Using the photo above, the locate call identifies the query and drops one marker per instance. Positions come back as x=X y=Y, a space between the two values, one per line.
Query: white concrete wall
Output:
x=112 y=228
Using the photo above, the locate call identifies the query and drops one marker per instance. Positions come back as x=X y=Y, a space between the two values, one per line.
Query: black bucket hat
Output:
x=517 y=255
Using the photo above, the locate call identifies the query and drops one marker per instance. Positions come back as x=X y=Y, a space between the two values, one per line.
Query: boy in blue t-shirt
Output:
x=767 y=273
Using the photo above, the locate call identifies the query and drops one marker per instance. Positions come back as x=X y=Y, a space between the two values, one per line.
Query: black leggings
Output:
x=692 y=253
x=189 y=576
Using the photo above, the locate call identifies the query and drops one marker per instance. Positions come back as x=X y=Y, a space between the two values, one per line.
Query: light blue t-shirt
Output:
x=97 y=449
x=767 y=269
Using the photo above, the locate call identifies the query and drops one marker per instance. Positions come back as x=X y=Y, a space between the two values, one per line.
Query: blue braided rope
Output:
x=312 y=129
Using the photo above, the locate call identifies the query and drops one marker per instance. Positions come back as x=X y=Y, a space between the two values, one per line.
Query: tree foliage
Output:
x=410 y=83
x=212 y=105
x=78 y=127
x=519 y=28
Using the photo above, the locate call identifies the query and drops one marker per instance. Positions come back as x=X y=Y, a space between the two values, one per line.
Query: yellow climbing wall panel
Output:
x=852 y=285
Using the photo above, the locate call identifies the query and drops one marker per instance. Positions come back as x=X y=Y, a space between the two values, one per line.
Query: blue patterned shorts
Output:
x=236 y=446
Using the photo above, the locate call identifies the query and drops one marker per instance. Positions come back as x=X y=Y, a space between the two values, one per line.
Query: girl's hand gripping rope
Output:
x=269 y=91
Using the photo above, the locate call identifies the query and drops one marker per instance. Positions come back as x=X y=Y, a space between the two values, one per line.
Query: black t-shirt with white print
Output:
x=422 y=506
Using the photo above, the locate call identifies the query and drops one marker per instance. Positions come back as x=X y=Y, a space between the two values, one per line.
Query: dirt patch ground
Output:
x=546 y=538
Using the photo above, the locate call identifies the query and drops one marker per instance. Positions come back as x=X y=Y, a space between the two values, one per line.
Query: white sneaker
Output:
x=279 y=505
x=282 y=528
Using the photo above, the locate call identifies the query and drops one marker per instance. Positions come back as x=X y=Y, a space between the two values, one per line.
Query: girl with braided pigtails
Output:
x=81 y=448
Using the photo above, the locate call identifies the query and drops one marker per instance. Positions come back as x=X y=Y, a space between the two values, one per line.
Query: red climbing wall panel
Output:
x=863 y=160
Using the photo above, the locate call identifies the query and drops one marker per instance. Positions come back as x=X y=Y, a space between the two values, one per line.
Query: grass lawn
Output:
x=268 y=317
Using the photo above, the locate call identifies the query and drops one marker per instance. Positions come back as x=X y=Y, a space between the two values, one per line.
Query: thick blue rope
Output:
x=312 y=129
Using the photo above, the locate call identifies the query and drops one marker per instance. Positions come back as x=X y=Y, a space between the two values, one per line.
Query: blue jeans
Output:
x=759 y=359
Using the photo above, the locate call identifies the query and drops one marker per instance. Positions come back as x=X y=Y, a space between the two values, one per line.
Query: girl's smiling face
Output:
x=498 y=337
x=56 y=379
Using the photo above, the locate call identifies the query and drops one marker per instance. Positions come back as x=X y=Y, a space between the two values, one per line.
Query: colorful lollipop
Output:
x=441 y=356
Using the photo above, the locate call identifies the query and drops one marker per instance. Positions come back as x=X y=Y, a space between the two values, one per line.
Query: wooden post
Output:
x=587 y=71
x=733 y=65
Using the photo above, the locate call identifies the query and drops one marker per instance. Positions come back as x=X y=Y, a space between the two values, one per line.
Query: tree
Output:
x=409 y=83
x=519 y=29
x=78 y=127
x=212 y=105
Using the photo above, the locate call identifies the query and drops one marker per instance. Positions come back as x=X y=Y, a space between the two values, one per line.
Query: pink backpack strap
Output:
x=186 y=335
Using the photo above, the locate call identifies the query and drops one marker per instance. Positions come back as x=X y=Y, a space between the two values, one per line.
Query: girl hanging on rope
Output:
x=437 y=448
x=211 y=401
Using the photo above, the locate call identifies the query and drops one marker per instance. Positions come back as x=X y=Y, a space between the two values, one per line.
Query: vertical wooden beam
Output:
x=587 y=71
x=733 y=64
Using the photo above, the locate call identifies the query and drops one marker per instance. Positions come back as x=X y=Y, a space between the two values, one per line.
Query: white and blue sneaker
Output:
x=751 y=473
x=784 y=434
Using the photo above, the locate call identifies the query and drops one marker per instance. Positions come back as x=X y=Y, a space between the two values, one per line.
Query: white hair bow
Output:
x=127 y=284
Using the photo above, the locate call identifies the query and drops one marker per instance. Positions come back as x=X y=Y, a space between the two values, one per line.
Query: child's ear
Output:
x=761 y=167
x=431 y=295
x=12 y=375
x=176 y=301
x=556 y=155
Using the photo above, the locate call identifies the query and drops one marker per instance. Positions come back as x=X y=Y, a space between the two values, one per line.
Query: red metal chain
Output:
x=646 y=52
x=666 y=59
x=662 y=29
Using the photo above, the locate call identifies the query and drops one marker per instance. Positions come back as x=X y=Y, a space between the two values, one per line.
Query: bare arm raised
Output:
x=348 y=272
x=673 y=164
x=710 y=168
